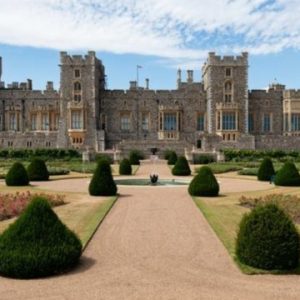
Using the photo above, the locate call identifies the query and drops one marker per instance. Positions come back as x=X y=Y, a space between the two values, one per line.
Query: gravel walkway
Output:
x=154 y=244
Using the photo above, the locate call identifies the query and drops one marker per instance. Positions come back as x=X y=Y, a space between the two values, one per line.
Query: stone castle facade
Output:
x=218 y=112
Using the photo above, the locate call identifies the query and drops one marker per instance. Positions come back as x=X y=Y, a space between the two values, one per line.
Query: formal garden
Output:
x=259 y=228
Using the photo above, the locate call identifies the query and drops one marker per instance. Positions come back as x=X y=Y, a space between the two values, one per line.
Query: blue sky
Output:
x=160 y=35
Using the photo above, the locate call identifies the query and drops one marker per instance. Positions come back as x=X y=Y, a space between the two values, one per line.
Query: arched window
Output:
x=228 y=92
x=77 y=86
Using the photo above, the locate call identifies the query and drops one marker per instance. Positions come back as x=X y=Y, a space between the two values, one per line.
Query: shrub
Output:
x=249 y=172
x=37 y=170
x=135 y=156
x=204 y=184
x=268 y=239
x=38 y=244
x=102 y=183
x=172 y=158
x=266 y=170
x=167 y=154
x=181 y=167
x=101 y=156
x=17 y=175
x=203 y=159
x=125 y=167
x=288 y=175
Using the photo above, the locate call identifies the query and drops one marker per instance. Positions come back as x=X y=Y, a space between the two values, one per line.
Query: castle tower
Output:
x=81 y=79
x=226 y=84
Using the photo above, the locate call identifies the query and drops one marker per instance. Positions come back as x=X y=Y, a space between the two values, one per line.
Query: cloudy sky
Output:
x=160 y=35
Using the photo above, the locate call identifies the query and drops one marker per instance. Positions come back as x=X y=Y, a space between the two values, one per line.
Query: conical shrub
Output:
x=288 y=175
x=38 y=244
x=181 y=167
x=268 y=239
x=102 y=183
x=135 y=156
x=17 y=175
x=172 y=158
x=37 y=170
x=266 y=170
x=204 y=184
x=125 y=167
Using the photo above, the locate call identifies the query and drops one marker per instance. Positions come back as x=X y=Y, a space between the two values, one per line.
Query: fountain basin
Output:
x=146 y=182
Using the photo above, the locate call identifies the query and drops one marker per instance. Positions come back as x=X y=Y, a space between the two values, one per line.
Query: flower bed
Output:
x=11 y=205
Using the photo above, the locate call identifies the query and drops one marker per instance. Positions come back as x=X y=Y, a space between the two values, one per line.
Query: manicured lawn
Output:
x=224 y=214
x=82 y=213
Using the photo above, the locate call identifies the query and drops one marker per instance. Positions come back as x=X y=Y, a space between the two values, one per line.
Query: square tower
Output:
x=81 y=79
x=226 y=85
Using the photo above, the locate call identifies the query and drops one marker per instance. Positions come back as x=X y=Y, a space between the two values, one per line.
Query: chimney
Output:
x=132 y=85
x=49 y=86
x=0 y=67
x=190 y=76
x=29 y=84
x=147 y=83
x=178 y=78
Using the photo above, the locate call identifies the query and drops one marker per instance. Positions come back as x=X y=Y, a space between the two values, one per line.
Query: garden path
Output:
x=154 y=244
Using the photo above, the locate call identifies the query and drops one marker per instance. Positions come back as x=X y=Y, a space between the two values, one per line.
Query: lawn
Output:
x=224 y=214
x=82 y=213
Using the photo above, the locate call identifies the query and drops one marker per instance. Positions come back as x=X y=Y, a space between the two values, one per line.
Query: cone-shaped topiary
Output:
x=181 y=167
x=266 y=170
x=172 y=158
x=125 y=167
x=268 y=239
x=204 y=184
x=135 y=156
x=38 y=244
x=288 y=175
x=102 y=183
x=17 y=175
x=37 y=170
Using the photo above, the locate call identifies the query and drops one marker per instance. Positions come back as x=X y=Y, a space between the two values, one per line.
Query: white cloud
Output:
x=180 y=32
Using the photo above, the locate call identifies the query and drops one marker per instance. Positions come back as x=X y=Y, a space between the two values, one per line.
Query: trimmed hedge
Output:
x=268 y=239
x=38 y=244
x=181 y=167
x=125 y=167
x=203 y=159
x=37 y=170
x=266 y=170
x=17 y=175
x=101 y=156
x=135 y=156
x=102 y=183
x=288 y=175
x=167 y=154
x=172 y=158
x=204 y=184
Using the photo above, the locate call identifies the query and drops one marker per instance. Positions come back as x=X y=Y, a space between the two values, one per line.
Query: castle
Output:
x=218 y=112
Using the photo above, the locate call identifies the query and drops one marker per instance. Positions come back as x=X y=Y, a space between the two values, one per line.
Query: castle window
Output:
x=103 y=121
x=295 y=125
x=145 y=121
x=77 y=86
x=228 y=92
x=125 y=122
x=200 y=122
x=250 y=123
x=228 y=72
x=77 y=73
x=170 y=122
x=77 y=97
x=33 y=122
x=12 y=122
x=45 y=121
x=76 y=120
x=229 y=121
x=29 y=144
x=266 y=122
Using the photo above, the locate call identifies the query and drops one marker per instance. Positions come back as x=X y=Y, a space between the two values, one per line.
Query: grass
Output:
x=82 y=213
x=224 y=215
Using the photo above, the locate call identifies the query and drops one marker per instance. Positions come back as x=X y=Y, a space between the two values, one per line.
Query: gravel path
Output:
x=154 y=244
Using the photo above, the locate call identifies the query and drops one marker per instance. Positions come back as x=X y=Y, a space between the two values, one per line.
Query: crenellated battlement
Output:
x=293 y=93
x=89 y=58
x=214 y=59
